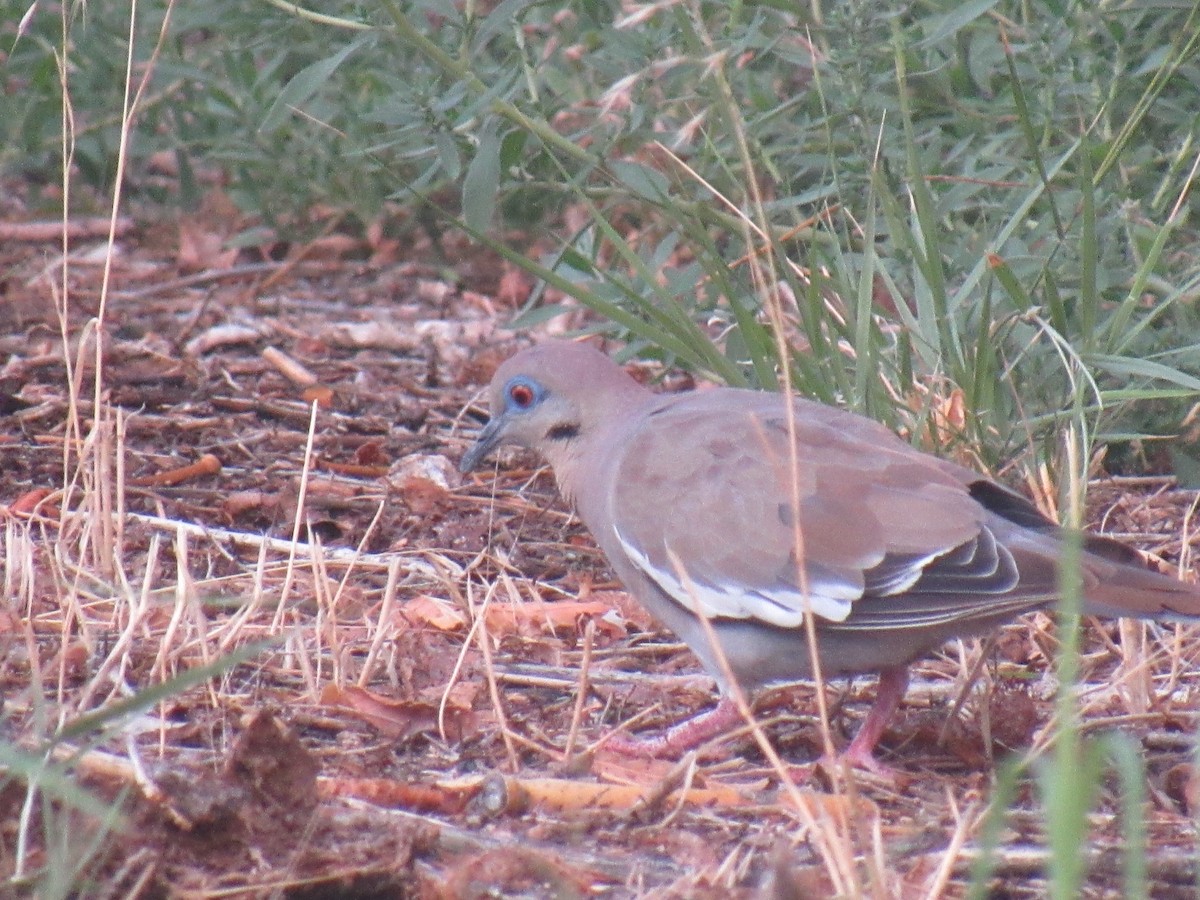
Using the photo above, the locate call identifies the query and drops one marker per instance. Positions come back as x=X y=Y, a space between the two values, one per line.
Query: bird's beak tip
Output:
x=488 y=440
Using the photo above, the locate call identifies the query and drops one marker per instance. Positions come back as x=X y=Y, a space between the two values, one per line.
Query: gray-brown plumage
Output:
x=691 y=498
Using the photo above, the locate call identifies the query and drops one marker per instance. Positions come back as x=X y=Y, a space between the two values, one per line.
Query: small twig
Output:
x=209 y=276
x=329 y=555
x=293 y=371
x=76 y=229
x=489 y=670
x=382 y=624
x=205 y=465
x=961 y=698
x=589 y=636
x=678 y=781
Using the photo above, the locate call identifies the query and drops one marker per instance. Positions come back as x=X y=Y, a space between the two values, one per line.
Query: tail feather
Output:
x=1118 y=581
x=1126 y=590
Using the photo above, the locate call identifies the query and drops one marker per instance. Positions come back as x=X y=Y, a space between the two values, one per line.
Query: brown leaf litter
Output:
x=444 y=658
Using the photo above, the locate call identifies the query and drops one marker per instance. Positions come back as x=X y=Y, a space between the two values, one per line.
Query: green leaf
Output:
x=1186 y=466
x=511 y=147
x=303 y=85
x=643 y=181
x=1142 y=368
x=482 y=181
x=938 y=28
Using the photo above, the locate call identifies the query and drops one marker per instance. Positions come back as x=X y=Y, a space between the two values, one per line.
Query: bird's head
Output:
x=547 y=397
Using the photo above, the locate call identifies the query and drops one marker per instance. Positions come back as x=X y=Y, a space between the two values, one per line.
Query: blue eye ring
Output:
x=522 y=393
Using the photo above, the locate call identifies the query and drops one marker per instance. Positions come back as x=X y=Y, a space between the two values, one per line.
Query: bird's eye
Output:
x=521 y=395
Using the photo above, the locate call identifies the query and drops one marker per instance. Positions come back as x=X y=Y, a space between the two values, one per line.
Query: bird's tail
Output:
x=1119 y=582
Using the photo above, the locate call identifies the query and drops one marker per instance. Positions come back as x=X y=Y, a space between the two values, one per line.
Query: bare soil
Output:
x=442 y=655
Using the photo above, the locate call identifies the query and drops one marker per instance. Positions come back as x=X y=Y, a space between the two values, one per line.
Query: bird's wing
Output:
x=702 y=502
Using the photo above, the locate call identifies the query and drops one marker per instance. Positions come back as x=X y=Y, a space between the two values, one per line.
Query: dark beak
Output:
x=488 y=440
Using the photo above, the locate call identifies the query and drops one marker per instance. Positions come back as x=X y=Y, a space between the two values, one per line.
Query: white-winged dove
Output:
x=691 y=497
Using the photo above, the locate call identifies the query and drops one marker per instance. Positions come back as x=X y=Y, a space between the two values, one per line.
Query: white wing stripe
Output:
x=784 y=608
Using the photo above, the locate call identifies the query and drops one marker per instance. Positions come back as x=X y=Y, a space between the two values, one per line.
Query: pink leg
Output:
x=682 y=737
x=695 y=731
x=861 y=752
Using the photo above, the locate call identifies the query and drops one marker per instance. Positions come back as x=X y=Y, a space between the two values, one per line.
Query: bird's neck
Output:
x=580 y=465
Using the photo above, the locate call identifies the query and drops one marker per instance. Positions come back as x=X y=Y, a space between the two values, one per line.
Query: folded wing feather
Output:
x=879 y=522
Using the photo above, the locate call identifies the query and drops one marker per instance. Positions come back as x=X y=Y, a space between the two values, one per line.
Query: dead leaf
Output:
x=1182 y=784
x=201 y=250
x=320 y=394
x=370 y=453
x=514 y=287
x=517 y=871
x=269 y=757
x=548 y=618
x=334 y=247
x=27 y=504
x=626 y=606
x=621 y=768
x=439 y=614
x=400 y=719
x=461 y=694
x=947 y=416
x=528 y=618
x=424 y=481
x=72 y=662
x=239 y=503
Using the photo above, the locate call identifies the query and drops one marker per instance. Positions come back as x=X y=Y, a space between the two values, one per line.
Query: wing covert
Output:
x=702 y=505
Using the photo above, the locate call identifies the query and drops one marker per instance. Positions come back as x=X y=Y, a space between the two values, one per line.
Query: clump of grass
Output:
x=958 y=205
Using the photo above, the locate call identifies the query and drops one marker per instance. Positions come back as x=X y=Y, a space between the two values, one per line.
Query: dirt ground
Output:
x=442 y=654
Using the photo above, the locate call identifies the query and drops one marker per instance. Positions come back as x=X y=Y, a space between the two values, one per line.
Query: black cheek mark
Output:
x=564 y=432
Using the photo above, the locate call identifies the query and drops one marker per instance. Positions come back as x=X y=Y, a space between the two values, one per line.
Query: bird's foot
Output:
x=830 y=770
x=860 y=754
x=680 y=738
x=860 y=764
